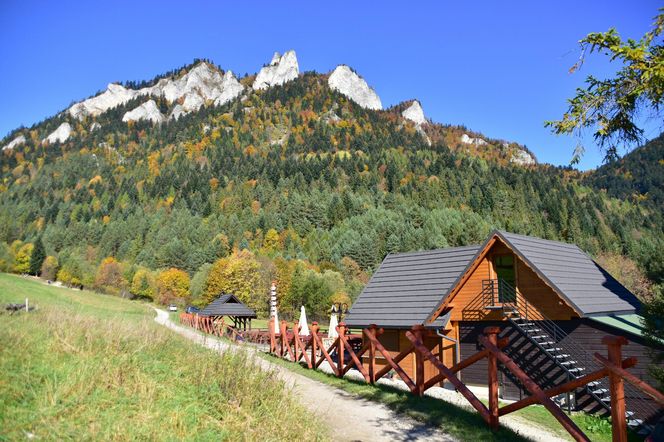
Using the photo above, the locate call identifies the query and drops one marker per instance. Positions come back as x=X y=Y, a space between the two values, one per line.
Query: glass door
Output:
x=506 y=275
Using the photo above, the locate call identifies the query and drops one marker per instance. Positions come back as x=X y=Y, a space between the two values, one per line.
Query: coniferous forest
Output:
x=300 y=185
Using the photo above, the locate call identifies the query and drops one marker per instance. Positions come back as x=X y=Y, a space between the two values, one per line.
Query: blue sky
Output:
x=500 y=68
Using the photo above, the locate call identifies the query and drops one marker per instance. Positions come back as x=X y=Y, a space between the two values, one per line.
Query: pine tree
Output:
x=37 y=257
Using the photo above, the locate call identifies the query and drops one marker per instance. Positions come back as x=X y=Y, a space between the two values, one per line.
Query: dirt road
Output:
x=362 y=420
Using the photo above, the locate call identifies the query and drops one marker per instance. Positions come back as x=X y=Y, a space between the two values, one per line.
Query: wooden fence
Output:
x=342 y=356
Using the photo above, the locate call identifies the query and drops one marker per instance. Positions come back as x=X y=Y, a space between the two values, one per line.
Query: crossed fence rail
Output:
x=311 y=351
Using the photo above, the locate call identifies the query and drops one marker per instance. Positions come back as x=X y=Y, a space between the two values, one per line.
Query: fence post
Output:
x=273 y=344
x=492 y=335
x=314 y=343
x=419 y=361
x=282 y=328
x=616 y=387
x=372 y=354
x=296 y=340
x=341 y=328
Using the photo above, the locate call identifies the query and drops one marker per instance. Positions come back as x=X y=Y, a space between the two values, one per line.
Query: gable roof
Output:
x=573 y=274
x=227 y=305
x=408 y=286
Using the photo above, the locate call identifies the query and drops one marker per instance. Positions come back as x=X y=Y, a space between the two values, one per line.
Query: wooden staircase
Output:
x=569 y=356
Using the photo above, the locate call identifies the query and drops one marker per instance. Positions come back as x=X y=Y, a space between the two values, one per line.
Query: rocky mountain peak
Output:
x=14 y=143
x=146 y=111
x=282 y=68
x=415 y=113
x=59 y=135
x=347 y=82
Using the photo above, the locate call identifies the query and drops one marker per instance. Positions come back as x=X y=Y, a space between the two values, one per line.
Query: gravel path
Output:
x=362 y=420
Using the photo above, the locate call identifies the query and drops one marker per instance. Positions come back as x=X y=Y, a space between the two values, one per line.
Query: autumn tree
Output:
x=172 y=286
x=236 y=274
x=49 y=268
x=22 y=258
x=143 y=284
x=109 y=276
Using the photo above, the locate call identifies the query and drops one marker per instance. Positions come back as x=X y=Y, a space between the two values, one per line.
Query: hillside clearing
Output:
x=88 y=366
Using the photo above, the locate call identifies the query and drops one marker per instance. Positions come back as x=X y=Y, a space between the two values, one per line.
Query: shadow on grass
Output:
x=456 y=421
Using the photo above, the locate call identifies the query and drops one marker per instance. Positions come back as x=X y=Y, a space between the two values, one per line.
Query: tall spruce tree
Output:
x=37 y=257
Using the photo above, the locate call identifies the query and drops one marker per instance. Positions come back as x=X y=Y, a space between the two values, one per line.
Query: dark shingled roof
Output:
x=407 y=286
x=227 y=305
x=573 y=274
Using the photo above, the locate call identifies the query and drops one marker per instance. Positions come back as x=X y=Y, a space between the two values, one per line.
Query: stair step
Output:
x=539 y=336
x=574 y=370
x=568 y=362
x=562 y=356
x=547 y=343
x=601 y=391
x=634 y=422
x=554 y=349
x=605 y=399
x=593 y=383
x=534 y=330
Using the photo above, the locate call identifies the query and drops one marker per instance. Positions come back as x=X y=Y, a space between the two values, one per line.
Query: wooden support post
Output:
x=273 y=343
x=314 y=343
x=617 y=389
x=418 y=332
x=372 y=354
x=282 y=332
x=341 y=328
x=296 y=341
x=492 y=335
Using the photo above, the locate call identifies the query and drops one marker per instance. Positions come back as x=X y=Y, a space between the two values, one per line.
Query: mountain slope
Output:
x=317 y=186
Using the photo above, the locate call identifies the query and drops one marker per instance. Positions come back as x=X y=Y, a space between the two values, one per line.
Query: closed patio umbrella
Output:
x=332 y=332
x=304 y=327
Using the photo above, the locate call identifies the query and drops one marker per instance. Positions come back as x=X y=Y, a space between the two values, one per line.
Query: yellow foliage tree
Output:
x=236 y=274
x=143 y=284
x=109 y=276
x=172 y=285
x=22 y=258
x=271 y=241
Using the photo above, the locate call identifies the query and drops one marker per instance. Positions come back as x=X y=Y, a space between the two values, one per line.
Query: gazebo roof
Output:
x=227 y=305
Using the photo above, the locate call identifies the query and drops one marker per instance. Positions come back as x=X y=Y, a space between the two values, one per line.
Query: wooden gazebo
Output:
x=229 y=305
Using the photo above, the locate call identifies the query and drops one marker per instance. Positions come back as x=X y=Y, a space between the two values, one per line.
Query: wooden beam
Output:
x=534 y=389
x=629 y=377
x=464 y=364
x=393 y=363
x=564 y=388
x=460 y=386
x=617 y=389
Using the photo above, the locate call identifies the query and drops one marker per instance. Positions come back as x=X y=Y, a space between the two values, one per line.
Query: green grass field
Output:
x=86 y=366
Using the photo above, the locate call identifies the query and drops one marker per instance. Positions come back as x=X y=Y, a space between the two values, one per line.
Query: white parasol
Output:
x=332 y=331
x=304 y=328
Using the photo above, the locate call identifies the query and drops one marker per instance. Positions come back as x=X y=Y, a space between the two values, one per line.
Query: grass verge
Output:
x=94 y=367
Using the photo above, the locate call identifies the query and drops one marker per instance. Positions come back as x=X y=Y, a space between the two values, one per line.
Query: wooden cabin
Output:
x=553 y=301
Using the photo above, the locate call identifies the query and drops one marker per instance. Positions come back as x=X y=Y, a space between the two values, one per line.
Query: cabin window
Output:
x=506 y=275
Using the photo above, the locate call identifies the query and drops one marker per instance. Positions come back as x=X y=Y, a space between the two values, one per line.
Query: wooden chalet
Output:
x=229 y=305
x=550 y=298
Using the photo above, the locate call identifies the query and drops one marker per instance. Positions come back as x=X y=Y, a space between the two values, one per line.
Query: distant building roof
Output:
x=408 y=286
x=227 y=305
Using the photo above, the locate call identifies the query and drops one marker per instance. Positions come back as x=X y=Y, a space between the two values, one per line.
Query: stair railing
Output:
x=584 y=360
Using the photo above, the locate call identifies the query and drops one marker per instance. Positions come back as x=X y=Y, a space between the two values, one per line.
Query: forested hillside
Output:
x=294 y=183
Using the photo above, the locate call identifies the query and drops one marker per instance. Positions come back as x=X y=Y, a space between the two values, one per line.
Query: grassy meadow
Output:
x=86 y=366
